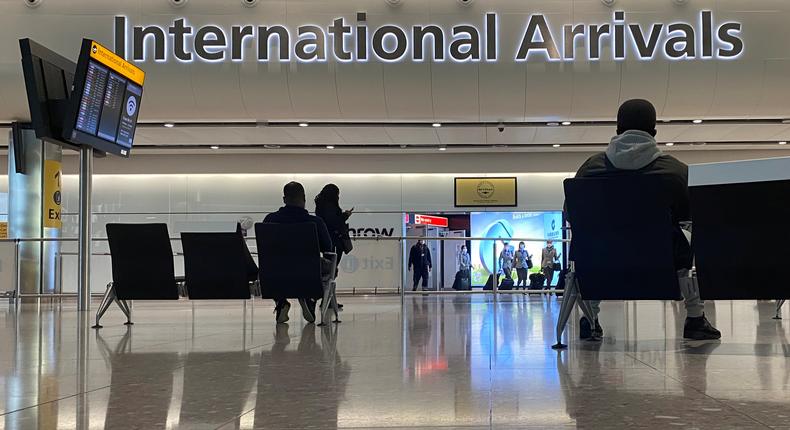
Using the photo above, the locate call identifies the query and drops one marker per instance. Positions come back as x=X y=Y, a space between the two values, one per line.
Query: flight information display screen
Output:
x=110 y=95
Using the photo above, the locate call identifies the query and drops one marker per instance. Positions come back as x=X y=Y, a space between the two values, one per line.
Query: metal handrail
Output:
x=353 y=238
x=400 y=239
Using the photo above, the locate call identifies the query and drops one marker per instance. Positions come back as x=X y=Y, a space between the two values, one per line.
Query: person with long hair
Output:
x=327 y=207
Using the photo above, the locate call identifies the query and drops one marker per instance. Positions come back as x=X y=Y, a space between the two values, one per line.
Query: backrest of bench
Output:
x=142 y=262
x=622 y=238
x=289 y=260
x=215 y=266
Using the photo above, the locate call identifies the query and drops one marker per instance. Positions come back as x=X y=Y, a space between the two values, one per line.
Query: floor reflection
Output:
x=444 y=362
x=301 y=388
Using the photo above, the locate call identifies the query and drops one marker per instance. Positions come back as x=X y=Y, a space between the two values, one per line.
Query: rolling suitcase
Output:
x=536 y=281
x=490 y=283
x=507 y=284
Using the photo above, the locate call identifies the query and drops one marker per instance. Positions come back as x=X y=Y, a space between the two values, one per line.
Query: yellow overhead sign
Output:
x=485 y=192
x=51 y=197
x=116 y=63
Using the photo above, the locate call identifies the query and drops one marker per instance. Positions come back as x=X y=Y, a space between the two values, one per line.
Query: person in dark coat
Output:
x=327 y=207
x=634 y=152
x=293 y=213
x=420 y=259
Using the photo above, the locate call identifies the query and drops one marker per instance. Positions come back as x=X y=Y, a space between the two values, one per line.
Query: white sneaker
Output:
x=282 y=312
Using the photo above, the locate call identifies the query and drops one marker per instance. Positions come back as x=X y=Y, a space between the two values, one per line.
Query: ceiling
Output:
x=473 y=138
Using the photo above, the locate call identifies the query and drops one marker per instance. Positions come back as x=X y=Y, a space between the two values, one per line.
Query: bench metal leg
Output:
x=588 y=312
x=328 y=300
x=325 y=302
x=335 y=307
x=779 y=304
x=127 y=310
x=106 y=301
x=568 y=300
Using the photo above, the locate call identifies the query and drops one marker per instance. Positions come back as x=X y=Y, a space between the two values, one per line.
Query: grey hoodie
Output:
x=632 y=150
x=636 y=153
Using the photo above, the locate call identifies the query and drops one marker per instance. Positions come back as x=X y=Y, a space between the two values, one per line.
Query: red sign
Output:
x=437 y=221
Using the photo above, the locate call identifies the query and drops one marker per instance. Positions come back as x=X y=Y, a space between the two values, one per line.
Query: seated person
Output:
x=294 y=212
x=634 y=152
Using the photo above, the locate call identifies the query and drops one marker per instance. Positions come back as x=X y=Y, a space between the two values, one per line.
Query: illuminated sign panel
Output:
x=108 y=90
x=479 y=192
x=706 y=38
x=437 y=221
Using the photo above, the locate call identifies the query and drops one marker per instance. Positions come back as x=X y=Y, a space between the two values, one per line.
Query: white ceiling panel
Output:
x=757 y=132
x=670 y=132
x=314 y=135
x=450 y=135
x=364 y=135
x=602 y=134
x=413 y=135
x=559 y=134
x=703 y=132
x=466 y=135
x=511 y=135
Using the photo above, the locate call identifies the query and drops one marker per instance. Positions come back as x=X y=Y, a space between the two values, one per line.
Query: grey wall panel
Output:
x=751 y=85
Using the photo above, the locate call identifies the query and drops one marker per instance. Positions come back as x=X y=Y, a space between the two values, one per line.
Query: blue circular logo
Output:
x=131 y=106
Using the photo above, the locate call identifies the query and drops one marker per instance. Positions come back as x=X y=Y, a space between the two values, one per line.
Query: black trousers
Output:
x=423 y=274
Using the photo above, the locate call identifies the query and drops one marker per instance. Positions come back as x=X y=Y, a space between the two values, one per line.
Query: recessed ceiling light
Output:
x=442 y=149
x=552 y=124
x=303 y=124
x=666 y=120
x=330 y=147
x=783 y=143
x=670 y=144
x=169 y=125
x=436 y=124
x=697 y=121
x=214 y=147
x=566 y=123
x=556 y=145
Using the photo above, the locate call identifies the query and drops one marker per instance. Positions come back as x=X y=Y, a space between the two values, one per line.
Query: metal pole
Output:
x=86 y=186
x=17 y=261
x=402 y=244
x=495 y=287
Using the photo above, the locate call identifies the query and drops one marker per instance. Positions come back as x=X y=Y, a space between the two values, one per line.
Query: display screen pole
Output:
x=86 y=185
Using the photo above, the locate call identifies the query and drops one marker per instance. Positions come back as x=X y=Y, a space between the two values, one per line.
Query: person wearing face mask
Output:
x=523 y=264
x=547 y=259
x=506 y=260
x=463 y=276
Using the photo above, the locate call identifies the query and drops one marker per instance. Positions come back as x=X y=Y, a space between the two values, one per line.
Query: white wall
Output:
x=214 y=202
x=168 y=188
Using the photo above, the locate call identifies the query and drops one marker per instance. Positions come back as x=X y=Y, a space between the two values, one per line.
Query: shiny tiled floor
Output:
x=445 y=362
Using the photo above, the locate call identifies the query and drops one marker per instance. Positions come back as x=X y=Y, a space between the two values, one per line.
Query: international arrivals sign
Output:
x=704 y=38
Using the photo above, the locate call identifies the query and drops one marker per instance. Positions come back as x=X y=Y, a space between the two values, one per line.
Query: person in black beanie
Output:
x=634 y=152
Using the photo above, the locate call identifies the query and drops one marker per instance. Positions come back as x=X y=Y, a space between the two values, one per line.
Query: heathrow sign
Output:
x=344 y=41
